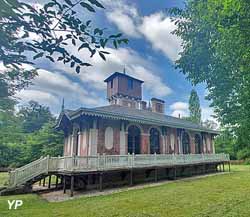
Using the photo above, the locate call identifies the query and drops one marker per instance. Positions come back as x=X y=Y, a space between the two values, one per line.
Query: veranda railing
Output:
x=106 y=162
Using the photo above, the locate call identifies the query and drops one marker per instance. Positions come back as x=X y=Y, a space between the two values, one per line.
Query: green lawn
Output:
x=222 y=195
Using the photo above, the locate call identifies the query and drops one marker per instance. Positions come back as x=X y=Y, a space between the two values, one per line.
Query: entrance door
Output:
x=134 y=139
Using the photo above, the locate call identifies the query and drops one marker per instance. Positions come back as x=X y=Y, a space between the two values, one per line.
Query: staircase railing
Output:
x=23 y=174
x=106 y=162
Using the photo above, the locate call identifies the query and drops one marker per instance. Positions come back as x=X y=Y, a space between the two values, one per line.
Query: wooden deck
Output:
x=105 y=163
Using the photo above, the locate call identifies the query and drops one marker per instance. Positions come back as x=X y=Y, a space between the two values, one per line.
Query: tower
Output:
x=124 y=90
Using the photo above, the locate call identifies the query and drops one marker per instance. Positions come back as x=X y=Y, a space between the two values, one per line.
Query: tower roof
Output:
x=121 y=74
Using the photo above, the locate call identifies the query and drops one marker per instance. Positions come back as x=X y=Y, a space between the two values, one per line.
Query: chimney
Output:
x=158 y=105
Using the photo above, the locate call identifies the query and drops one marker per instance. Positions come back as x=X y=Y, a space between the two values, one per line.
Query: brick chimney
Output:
x=158 y=105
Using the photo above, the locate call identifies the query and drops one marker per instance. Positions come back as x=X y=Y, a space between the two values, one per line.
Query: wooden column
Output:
x=64 y=184
x=40 y=182
x=56 y=181
x=174 y=173
x=72 y=186
x=131 y=177
x=100 y=181
x=49 y=182
x=44 y=182
x=229 y=166
x=223 y=167
x=156 y=175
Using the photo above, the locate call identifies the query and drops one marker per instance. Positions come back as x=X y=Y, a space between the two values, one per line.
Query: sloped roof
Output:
x=135 y=115
x=123 y=75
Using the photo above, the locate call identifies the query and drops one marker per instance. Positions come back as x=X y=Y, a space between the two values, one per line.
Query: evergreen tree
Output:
x=194 y=107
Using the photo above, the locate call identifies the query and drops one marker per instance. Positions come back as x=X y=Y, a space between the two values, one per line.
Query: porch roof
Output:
x=135 y=115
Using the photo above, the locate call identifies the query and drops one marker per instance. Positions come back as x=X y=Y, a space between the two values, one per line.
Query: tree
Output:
x=194 y=107
x=58 y=25
x=34 y=116
x=210 y=124
x=48 y=32
x=215 y=37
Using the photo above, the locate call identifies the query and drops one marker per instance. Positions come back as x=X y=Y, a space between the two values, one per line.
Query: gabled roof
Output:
x=135 y=115
x=123 y=75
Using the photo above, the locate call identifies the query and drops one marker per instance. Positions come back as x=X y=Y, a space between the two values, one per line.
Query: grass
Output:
x=223 y=195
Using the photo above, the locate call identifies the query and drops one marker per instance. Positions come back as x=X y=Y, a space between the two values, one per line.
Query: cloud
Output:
x=136 y=66
x=179 y=108
x=181 y=113
x=156 y=28
x=49 y=88
x=124 y=16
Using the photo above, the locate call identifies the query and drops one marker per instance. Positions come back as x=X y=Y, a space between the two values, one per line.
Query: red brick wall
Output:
x=102 y=125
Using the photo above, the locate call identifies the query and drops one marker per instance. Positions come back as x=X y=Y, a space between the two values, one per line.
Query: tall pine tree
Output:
x=194 y=107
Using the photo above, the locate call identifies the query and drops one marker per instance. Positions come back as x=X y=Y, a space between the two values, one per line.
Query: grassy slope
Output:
x=223 y=195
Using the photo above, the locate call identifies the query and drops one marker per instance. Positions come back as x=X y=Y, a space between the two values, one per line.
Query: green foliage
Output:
x=58 y=26
x=27 y=135
x=34 y=116
x=215 y=51
x=194 y=107
x=226 y=143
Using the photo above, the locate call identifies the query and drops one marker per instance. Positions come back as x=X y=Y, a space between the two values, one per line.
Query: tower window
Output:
x=111 y=84
x=130 y=84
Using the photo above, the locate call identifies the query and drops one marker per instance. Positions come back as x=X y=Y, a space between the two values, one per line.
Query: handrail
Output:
x=106 y=162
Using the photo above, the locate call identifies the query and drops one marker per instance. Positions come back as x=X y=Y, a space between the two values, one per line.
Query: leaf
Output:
x=102 y=56
x=85 y=64
x=83 y=45
x=115 y=44
x=60 y=58
x=105 y=52
x=74 y=42
x=116 y=36
x=78 y=69
x=94 y=2
x=69 y=2
x=72 y=64
x=50 y=58
x=99 y=31
x=38 y=55
x=85 y=5
x=88 y=22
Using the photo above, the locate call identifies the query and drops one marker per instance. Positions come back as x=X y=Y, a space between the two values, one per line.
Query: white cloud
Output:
x=179 y=106
x=157 y=29
x=136 y=66
x=124 y=16
x=49 y=88
x=181 y=113
x=179 y=109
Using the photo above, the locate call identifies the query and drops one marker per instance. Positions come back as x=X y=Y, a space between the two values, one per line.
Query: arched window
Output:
x=109 y=138
x=185 y=143
x=198 y=144
x=154 y=141
x=134 y=139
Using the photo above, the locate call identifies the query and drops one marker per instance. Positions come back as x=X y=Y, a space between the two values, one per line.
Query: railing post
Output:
x=104 y=161
x=155 y=159
x=98 y=161
x=73 y=162
x=47 y=164
x=133 y=159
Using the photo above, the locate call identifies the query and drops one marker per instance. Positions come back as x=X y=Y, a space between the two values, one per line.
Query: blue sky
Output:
x=149 y=56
